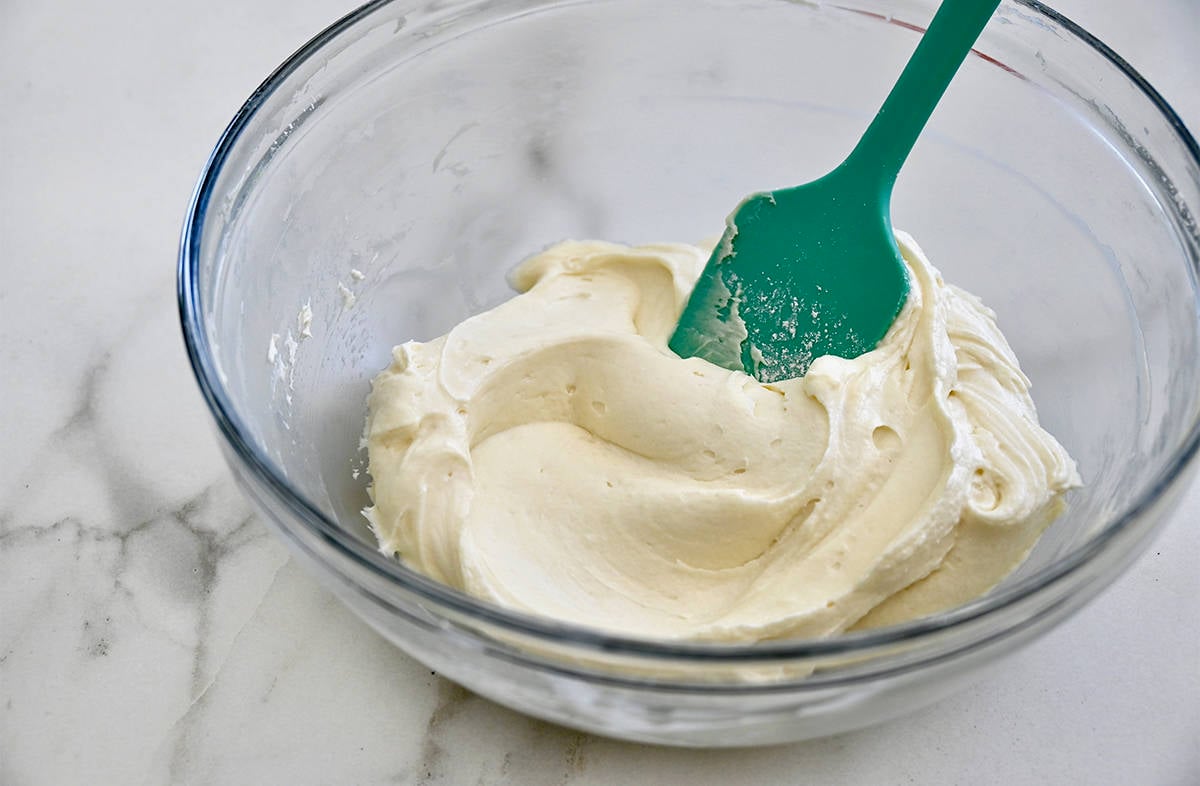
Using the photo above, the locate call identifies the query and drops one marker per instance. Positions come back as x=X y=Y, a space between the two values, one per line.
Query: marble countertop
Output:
x=153 y=631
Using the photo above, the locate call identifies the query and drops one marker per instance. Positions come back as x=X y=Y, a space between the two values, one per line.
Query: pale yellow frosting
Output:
x=552 y=455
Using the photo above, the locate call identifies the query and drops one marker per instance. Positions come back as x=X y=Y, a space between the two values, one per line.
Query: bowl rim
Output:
x=231 y=427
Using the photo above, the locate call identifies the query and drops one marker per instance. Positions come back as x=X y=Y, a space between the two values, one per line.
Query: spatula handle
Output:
x=891 y=136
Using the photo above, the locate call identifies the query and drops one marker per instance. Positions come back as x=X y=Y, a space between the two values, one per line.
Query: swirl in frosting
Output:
x=552 y=455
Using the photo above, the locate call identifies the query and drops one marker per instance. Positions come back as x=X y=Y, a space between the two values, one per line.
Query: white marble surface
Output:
x=152 y=631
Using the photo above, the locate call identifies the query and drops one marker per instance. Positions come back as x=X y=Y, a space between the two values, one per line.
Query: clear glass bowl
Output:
x=431 y=146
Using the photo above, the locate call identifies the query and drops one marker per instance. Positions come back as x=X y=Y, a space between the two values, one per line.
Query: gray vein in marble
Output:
x=212 y=550
x=78 y=532
x=529 y=752
x=82 y=418
x=132 y=498
x=194 y=588
x=177 y=735
x=451 y=701
x=84 y=413
x=135 y=506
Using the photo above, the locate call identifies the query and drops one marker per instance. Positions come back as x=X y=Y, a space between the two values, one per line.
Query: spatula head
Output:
x=799 y=273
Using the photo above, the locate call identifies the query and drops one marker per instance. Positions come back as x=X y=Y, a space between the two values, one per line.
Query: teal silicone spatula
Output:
x=814 y=270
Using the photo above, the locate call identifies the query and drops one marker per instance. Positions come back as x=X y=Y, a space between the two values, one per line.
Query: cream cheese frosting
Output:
x=552 y=455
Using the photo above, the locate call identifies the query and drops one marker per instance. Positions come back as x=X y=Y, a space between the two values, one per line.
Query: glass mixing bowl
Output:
x=384 y=180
